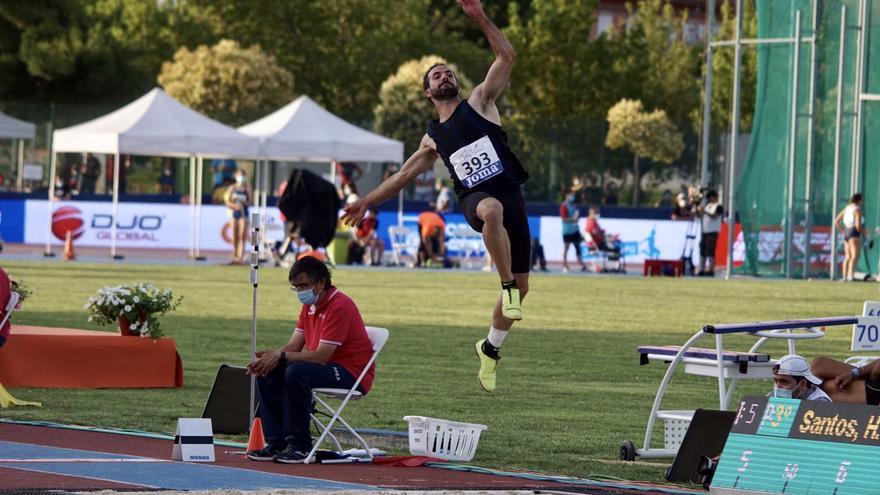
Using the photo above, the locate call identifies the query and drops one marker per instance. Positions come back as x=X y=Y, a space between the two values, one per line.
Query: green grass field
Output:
x=570 y=386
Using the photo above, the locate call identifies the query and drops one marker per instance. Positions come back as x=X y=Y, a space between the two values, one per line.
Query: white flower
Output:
x=134 y=325
x=127 y=308
x=136 y=299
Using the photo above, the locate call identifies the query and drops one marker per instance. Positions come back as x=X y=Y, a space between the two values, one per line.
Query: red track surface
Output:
x=383 y=476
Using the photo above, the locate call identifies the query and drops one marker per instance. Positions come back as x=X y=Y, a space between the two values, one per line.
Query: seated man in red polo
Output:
x=329 y=348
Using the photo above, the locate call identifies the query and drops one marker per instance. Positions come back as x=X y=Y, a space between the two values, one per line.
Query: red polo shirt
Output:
x=336 y=320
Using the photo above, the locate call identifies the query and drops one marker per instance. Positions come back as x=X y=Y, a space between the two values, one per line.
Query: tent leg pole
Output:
x=19 y=181
x=50 y=205
x=115 y=215
x=192 y=206
x=198 y=218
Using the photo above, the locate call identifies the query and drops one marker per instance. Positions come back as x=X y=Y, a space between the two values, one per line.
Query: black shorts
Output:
x=707 y=244
x=851 y=233
x=872 y=392
x=574 y=238
x=516 y=222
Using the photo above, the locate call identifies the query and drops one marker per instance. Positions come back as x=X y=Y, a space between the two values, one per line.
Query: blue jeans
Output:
x=286 y=401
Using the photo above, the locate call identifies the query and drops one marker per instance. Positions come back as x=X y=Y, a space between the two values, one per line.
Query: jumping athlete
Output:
x=487 y=177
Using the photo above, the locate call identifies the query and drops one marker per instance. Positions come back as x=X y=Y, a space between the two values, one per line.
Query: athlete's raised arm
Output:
x=483 y=97
x=415 y=165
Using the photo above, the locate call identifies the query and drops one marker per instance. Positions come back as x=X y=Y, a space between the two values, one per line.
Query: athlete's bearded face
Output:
x=442 y=84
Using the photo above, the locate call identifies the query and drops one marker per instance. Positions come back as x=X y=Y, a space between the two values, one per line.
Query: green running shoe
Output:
x=510 y=304
x=487 y=368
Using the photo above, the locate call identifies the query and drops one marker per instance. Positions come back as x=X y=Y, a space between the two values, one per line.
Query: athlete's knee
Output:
x=523 y=285
x=491 y=212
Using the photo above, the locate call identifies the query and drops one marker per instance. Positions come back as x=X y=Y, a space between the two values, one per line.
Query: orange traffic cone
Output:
x=256 y=440
x=68 y=246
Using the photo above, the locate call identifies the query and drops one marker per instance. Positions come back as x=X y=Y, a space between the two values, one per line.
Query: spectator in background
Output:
x=349 y=173
x=367 y=239
x=711 y=215
x=611 y=195
x=852 y=222
x=597 y=233
x=571 y=235
x=424 y=189
x=238 y=199
x=166 y=180
x=432 y=230
x=89 y=173
x=538 y=255
x=665 y=200
x=682 y=208
x=224 y=173
x=390 y=170
x=349 y=193
x=444 y=197
x=123 y=173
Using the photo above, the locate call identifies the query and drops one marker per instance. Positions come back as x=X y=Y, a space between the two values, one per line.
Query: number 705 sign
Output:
x=866 y=333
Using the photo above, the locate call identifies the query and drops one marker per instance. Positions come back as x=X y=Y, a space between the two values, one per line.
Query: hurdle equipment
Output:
x=193 y=441
x=728 y=366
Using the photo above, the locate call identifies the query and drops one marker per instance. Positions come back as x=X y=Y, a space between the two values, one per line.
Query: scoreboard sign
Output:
x=789 y=446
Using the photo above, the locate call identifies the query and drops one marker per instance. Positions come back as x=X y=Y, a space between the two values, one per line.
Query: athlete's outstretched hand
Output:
x=354 y=212
x=473 y=8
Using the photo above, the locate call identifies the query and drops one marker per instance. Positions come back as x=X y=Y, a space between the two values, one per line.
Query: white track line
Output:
x=85 y=459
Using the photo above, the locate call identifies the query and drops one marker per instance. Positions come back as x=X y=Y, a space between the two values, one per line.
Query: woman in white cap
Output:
x=792 y=379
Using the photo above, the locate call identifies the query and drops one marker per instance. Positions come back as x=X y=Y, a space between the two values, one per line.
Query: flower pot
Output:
x=125 y=328
x=125 y=325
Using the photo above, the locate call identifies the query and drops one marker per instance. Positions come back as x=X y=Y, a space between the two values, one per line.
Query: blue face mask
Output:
x=307 y=296
x=782 y=393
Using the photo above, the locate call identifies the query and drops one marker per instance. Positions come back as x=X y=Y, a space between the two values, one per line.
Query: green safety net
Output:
x=763 y=192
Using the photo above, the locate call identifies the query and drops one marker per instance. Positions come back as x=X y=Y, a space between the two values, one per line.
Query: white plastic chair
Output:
x=10 y=307
x=378 y=337
x=398 y=236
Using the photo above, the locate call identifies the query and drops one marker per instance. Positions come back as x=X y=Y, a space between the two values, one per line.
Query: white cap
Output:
x=794 y=365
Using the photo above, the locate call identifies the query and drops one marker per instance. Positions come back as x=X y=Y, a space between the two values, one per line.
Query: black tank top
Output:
x=476 y=153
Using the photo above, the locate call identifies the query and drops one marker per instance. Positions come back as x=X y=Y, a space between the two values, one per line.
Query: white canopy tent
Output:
x=303 y=130
x=154 y=125
x=12 y=128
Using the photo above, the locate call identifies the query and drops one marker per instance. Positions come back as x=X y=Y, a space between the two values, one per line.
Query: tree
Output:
x=723 y=64
x=340 y=50
x=646 y=135
x=227 y=82
x=553 y=100
x=403 y=111
x=82 y=50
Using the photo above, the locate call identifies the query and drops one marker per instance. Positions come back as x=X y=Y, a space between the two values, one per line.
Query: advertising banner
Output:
x=139 y=225
x=12 y=220
x=639 y=239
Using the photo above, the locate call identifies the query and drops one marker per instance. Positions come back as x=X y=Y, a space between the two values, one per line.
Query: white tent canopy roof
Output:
x=156 y=125
x=16 y=129
x=303 y=130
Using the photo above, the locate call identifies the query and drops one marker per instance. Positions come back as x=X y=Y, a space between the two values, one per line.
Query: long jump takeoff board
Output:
x=788 y=446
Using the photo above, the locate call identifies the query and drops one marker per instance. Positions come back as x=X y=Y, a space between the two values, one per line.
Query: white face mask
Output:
x=239 y=179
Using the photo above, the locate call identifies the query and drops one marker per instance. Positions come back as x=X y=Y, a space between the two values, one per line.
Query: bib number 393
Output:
x=476 y=162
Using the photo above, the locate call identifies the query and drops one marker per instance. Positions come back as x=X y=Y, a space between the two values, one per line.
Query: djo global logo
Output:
x=67 y=218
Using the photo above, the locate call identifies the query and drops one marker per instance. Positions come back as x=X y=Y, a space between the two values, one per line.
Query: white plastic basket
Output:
x=443 y=439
